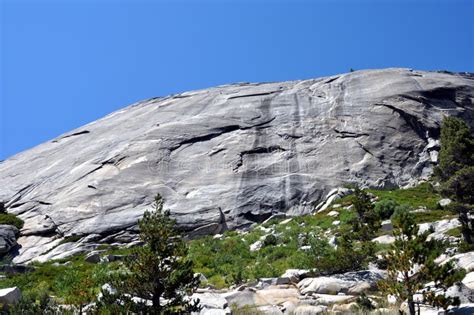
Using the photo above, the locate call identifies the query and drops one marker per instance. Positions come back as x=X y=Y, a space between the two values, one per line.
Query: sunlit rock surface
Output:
x=228 y=156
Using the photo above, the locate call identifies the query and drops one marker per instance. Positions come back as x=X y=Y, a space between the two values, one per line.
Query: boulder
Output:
x=309 y=310
x=354 y=282
x=295 y=275
x=8 y=234
x=444 y=202
x=210 y=300
x=111 y=257
x=463 y=292
x=256 y=246
x=387 y=226
x=324 y=285
x=215 y=311
x=10 y=296
x=384 y=239
x=241 y=298
x=274 y=295
x=468 y=280
x=329 y=299
x=360 y=287
x=229 y=156
x=439 y=227
x=93 y=257
x=344 y=308
x=276 y=281
x=463 y=260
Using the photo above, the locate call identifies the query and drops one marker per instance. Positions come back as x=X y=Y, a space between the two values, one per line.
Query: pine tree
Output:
x=367 y=221
x=456 y=171
x=457 y=147
x=410 y=264
x=158 y=273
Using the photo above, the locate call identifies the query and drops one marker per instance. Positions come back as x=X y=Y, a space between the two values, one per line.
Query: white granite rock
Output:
x=228 y=156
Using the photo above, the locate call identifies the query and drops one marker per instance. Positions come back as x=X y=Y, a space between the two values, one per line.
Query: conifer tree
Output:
x=158 y=273
x=367 y=221
x=457 y=147
x=410 y=264
x=456 y=171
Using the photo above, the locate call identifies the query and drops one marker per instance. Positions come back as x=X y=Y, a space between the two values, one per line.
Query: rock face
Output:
x=10 y=296
x=228 y=156
x=8 y=234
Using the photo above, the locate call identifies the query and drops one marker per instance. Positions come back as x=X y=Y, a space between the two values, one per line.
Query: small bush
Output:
x=11 y=219
x=465 y=247
x=348 y=256
x=385 y=208
x=364 y=303
x=70 y=239
x=270 y=240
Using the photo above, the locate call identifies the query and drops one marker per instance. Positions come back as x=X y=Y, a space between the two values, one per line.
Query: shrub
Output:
x=11 y=219
x=385 y=208
x=159 y=271
x=364 y=303
x=367 y=222
x=412 y=249
x=270 y=240
x=457 y=147
x=348 y=256
x=33 y=303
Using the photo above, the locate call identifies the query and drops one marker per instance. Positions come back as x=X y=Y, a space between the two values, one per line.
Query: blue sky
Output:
x=66 y=63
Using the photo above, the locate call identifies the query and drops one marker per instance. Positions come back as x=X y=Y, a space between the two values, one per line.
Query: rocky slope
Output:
x=228 y=156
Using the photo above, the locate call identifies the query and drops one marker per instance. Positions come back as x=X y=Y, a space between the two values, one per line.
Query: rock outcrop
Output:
x=8 y=234
x=228 y=156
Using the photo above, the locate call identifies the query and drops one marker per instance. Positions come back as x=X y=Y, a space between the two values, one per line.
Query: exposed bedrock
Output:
x=228 y=156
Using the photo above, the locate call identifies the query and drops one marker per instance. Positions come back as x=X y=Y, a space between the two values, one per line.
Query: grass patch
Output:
x=423 y=195
x=11 y=219
x=456 y=232
x=70 y=239
x=56 y=277
x=433 y=215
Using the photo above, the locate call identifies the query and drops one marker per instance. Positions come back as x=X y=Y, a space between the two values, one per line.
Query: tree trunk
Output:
x=411 y=306
x=466 y=233
x=156 y=304
x=465 y=229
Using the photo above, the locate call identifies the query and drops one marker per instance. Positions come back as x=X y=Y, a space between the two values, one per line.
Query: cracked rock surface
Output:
x=228 y=156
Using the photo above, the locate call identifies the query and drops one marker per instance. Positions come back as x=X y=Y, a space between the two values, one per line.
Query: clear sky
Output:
x=67 y=63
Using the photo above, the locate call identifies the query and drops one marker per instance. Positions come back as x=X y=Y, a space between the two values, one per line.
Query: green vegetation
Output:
x=456 y=171
x=11 y=219
x=159 y=270
x=298 y=243
x=224 y=260
x=70 y=239
x=411 y=249
x=75 y=282
x=457 y=148
x=423 y=195
x=456 y=232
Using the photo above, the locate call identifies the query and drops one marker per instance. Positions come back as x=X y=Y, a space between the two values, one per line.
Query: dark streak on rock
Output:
x=73 y=135
x=252 y=95
x=257 y=150
x=216 y=132
x=412 y=121
x=349 y=134
x=331 y=80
